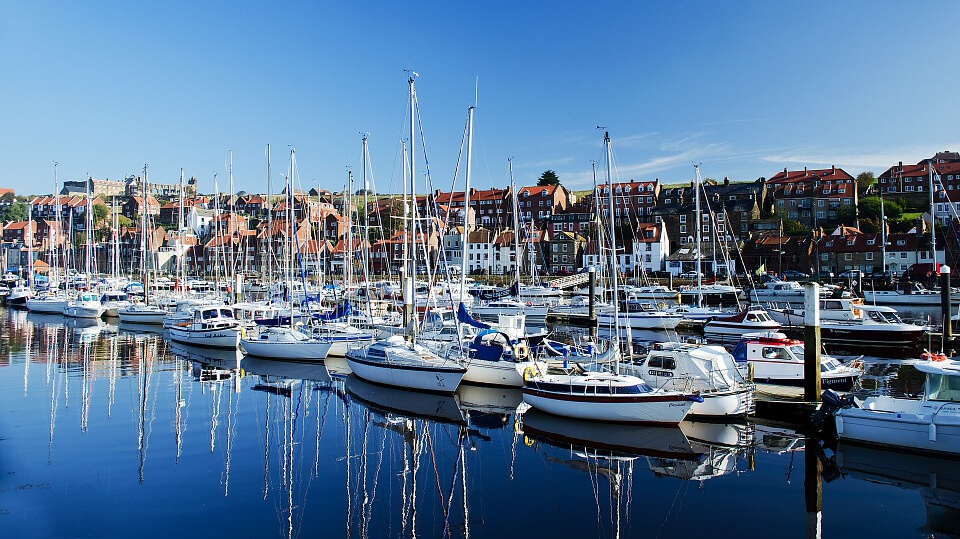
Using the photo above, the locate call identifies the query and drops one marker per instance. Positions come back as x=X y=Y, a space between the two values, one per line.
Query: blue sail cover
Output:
x=341 y=311
x=464 y=317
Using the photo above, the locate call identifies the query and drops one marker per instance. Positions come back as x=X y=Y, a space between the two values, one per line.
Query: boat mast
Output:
x=143 y=240
x=408 y=302
x=88 y=223
x=466 y=205
x=883 y=238
x=614 y=267
x=933 y=224
x=269 y=228
x=180 y=261
x=233 y=261
x=366 y=229
x=290 y=232
x=696 y=193
x=516 y=230
x=56 y=242
x=348 y=255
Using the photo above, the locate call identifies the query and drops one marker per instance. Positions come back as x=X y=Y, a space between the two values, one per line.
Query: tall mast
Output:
x=180 y=261
x=143 y=241
x=56 y=242
x=408 y=302
x=291 y=230
x=366 y=229
x=30 y=247
x=216 y=251
x=466 y=205
x=516 y=229
x=88 y=223
x=269 y=226
x=614 y=266
x=348 y=208
x=933 y=223
x=883 y=237
x=696 y=193
x=233 y=261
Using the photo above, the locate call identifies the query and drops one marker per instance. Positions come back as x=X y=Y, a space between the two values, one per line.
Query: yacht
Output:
x=750 y=320
x=140 y=313
x=775 y=290
x=284 y=343
x=397 y=362
x=639 y=316
x=656 y=292
x=212 y=326
x=605 y=396
x=778 y=365
x=930 y=423
x=849 y=322
x=47 y=303
x=19 y=295
x=906 y=294
x=113 y=301
x=86 y=305
x=706 y=370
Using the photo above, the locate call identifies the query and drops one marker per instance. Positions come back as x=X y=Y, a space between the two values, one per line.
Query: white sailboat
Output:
x=52 y=302
x=145 y=313
x=397 y=361
x=87 y=305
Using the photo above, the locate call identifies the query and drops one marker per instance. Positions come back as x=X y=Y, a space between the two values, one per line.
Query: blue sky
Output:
x=746 y=88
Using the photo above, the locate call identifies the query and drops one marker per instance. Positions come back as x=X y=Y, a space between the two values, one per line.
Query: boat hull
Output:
x=939 y=433
x=732 y=403
x=83 y=311
x=641 y=320
x=285 y=350
x=141 y=317
x=210 y=338
x=440 y=379
x=640 y=409
x=46 y=306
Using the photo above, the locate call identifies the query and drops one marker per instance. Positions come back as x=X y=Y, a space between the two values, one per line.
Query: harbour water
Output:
x=109 y=431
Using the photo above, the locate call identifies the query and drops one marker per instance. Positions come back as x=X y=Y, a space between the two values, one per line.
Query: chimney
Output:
x=784 y=172
x=900 y=166
x=834 y=170
x=726 y=181
x=804 y=171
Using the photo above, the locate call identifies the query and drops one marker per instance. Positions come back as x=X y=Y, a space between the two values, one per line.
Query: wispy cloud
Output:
x=856 y=158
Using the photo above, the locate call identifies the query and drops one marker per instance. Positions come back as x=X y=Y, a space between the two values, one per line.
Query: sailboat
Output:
x=281 y=342
x=87 y=305
x=606 y=396
x=145 y=313
x=52 y=302
x=398 y=361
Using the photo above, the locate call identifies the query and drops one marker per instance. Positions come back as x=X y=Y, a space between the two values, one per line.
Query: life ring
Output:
x=927 y=356
x=528 y=373
x=521 y=351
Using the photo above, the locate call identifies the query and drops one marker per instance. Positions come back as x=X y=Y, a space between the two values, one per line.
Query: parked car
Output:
x=925 y=270
x=825 y=275
x=689 y=275
x=792 y=275
x=852 y=274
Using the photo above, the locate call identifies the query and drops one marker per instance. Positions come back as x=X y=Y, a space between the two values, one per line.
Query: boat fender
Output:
x=528 y=373
x=521 y=351
x=527 y=441
x=839 y=424
x=933 y=431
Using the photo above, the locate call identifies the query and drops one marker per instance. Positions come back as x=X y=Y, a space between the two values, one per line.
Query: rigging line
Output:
x=436 y=473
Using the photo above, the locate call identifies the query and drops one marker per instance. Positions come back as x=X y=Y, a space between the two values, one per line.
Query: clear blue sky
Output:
x=746 y=88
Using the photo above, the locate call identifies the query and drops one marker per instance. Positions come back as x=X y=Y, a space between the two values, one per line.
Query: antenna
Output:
x=476 y=91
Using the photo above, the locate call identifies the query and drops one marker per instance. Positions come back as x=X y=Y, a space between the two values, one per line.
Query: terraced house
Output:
x=812 y=196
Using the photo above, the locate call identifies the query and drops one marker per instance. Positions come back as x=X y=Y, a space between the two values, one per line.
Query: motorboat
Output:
x=398 y=362
x=19 y=295
x=657 y=292
x=211 y=326
x=140 y=313
x=778 y=365
x=639 y=316
x=775 y=290
x=707 y=370
x=605 y=396
x=285 y=343
x=930 y=423
x=849 y=322
x=86 y=305
x=709 y=294
x=905 y=294
x=493 y=309
x=47 y=303
x=113 y=301
x=750 y=320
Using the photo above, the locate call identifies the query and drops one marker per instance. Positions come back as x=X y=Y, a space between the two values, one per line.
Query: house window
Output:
x=869 y=256
x=871 y=242
x=848 y=256
x=683 y=218
x=824 y=257
x=683 y=229
x=903 y=255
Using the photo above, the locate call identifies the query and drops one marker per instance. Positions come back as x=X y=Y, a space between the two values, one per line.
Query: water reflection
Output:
x=306 y=449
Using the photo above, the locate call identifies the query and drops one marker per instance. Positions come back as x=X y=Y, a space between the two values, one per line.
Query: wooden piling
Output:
x=811 y=342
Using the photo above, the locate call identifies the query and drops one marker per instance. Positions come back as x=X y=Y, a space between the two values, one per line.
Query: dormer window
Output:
x=871 y=242
x=901 y=243
x=543 y=193
x=830 y=243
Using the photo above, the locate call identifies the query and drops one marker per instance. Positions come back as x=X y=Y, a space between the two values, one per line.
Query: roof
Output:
x=805 y=175
x=538 y=190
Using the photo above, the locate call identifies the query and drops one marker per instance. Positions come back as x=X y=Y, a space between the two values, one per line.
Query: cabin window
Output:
x=774 y=352
x=662 y=362
x=943 y=388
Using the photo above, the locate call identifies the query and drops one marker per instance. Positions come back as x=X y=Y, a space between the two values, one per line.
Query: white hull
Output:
x=426 y=378
x=47 y=306
x=922 y=429
x=885 y=297
x=641 y=320
x=648 y=410
x=83 y=311
x=214 y=338
x=141 y=317
x=724 y=404
x=498 y=373
x=736 y=329
x=285 y=350
x=531 y=312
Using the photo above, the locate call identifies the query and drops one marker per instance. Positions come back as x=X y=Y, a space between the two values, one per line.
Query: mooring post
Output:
x=946 y=310
x=811 y=342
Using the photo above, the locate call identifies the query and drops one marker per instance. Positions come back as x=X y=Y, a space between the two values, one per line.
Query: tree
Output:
x=7 y=197
x=865 y=180
x=124 y=222
x=14 y=212
x=100 y=212
x=548 y=177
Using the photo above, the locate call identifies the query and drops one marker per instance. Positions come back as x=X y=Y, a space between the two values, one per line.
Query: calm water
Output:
x=109 y=432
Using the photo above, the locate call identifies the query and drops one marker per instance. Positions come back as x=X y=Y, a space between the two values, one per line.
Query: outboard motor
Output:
x=830 y=403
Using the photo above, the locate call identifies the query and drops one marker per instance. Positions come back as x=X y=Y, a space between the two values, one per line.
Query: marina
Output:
x=96 y=414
